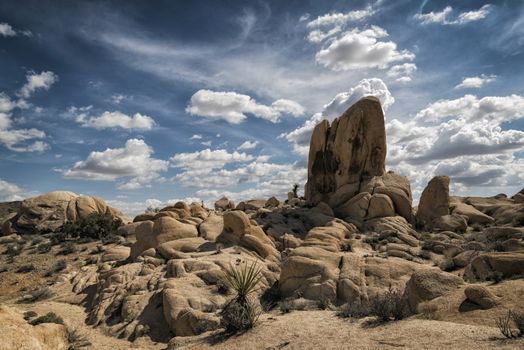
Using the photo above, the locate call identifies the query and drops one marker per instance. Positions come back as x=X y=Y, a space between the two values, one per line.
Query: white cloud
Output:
x=132 y=161
x=6 y=30
x=196 y=137
x=118 y=98
x=207 y=143
x=116 y=119
x=442 y=17
x=207 y=159
x=10 y=191
x=338 y=19
x=476 y=82
x=247 y=145
x=402 y=72
x=318 y=35
x=18 y=140
x=36 y=81
x=357 y=49
x=301 y=136
x=233 y=107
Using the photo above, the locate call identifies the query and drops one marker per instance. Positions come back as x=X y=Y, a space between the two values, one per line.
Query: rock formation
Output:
x=48 y=212
x=346 y=167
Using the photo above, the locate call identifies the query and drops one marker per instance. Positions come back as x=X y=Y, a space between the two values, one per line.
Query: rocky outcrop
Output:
x=346 y=167
x=224 y=203
x=48 y=212
x=481 y=296
x=434 y=203
x=18 y=334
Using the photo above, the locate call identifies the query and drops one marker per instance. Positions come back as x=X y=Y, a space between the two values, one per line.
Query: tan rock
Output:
x=212 y=226
x=380 y=205
x=434 y=201
x=481 y=296
x=428 y=284
x=507 y=264
x=224 y=203
x=116 y=254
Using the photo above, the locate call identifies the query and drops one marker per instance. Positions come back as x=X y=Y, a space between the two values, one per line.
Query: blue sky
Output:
x=143 y=103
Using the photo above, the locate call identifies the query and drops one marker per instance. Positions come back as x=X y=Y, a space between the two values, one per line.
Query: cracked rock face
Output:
x=346 y=167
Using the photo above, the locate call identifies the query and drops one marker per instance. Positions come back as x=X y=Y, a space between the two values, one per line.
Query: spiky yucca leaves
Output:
x=241 y=313
x=244 y=279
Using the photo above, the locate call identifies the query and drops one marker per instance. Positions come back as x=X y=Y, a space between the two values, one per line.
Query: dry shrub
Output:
x=389 y=305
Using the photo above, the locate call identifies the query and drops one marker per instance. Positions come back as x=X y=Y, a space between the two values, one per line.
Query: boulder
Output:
x=481 y=296
x=272 y=202
x=356 y=208
x=474 y=215
x=380 y=205
x=116 y=254
x=506 y=264
x=224 y=203
x=18 y=334
x=453 y=223
x=429 y=284
x=212 y=226
x=434 y=201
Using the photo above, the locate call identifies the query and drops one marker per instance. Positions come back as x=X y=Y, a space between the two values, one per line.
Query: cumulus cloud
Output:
x=402 y=72
x=233 y=107
x=37 y=81
x=196 y=137
x=462 y=138
x=248 y=145
x=115 y=119
x=118 y=98
x=6 y=30
x=10 y=191
x=476 y=82
x=443 y=17
x=301 y=136
x=18 y=140
x=357 y=49
x=208 y=159
x=134 y=161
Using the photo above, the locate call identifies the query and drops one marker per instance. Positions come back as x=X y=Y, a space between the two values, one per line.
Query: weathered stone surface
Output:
x=212 y=226
x=428 y=284
x=434 y=201
x=380 y=205
x=224 y=203
x=481 y=296
x=352 y=148
x=507 y=264
x=116 y=254
x=272 y=202
x=18 y=334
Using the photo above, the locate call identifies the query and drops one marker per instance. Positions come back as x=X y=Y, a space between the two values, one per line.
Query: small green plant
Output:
x=29 y=315
x=13 y=249
x=495 y=277
x=241 y=313
x=58 y=266
x=50 y=317
x=295 y=190
x=452 y=208
x=37 y=240
x=67 y=248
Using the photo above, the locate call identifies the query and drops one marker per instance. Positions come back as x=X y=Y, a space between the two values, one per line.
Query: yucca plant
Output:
x=241 y=313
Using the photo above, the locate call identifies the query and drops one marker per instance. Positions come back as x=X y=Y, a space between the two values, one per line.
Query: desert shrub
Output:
x=67 y=248
x=112 y=238
x=285 y=306
x=37 y=295
x=13 y=249
x=344 y=247
x=91 y=260
x=295 y=190
x=76 y=340
x=324 y=303
x=452 y=208
x=389 y=305
x=26 y=268
x=477 y=227
x=428 y=311
x=447 y=264
x=495 y=277
x=505 y=326
x=4 y=269
x=58 y=238
x=50 y=317
x=43 y=248
x=241 y=313
x=29 y=315
x=354 y=309
x=425 y=254
x=95 y=225
x=57 y=267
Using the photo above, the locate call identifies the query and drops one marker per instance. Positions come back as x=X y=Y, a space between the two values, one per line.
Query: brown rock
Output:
x=434 y=201
x=481 y=296
x=428 y=284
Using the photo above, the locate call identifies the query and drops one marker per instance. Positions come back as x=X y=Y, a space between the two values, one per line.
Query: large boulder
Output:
x=349 y=150
x=18 y=334
x=481 y=296
x=434 y=201
x=48 y=212
x=224 y=203
x=506 y=265
x=429 y=284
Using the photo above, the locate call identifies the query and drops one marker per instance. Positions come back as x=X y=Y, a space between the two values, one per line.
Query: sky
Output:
x=144 y=103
